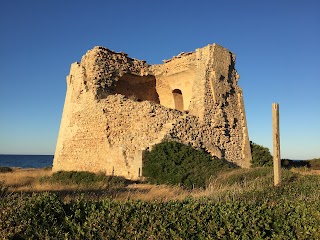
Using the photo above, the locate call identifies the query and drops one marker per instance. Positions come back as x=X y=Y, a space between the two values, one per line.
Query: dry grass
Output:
x=148 y=192
x=27 y=180
x=21 y=179
x=305 y=171
x=222 y=184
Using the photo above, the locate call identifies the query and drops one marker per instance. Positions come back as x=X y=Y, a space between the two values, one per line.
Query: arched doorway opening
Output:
x=178 y=99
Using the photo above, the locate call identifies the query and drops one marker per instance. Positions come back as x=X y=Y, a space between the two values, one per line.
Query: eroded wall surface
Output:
x=116 y=107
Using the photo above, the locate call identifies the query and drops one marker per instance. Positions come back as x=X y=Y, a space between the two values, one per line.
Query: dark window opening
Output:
x=178 y=99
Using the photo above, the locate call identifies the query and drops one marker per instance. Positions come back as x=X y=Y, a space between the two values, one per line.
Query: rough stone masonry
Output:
x=116 y=107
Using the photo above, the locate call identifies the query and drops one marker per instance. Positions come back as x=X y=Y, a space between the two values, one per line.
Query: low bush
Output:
x=47 y=168
x=5 y=169
x=261 y=156
x=314 y=164
x=83 y=178
x=178 y=164
x=290 y=211
x=39 y=216
x=287 y=163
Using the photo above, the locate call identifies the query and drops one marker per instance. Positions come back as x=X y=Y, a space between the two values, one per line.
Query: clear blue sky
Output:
x=277 y=44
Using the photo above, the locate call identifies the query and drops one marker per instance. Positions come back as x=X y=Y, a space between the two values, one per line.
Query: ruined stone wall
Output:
x=178 y=73
x=209 y=85
x=116 y=107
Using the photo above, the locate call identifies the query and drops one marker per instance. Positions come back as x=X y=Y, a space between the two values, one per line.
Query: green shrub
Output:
x=84 y=178
x=176 y=163
x=260 y=156
x=5 y=169
x=39 y=216
x=311 y=164
x=76 y=177
x=314 y=164
x=287 y=163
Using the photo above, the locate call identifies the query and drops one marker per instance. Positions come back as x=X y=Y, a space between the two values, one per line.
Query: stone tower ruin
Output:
x=116 y=107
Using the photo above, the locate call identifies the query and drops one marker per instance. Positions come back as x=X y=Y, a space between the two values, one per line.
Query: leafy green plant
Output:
x=38 y=216
x=176 y=163
x=261 y=156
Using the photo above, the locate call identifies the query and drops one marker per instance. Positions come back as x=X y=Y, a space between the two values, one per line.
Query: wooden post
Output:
x=276 y=144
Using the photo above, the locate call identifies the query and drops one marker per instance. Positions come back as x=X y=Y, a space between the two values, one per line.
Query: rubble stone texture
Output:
x=116 y=107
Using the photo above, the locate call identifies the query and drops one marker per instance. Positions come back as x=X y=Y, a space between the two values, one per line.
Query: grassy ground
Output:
x=31 y=180
x=236 y=182
x=242 y=204
x=24 y=179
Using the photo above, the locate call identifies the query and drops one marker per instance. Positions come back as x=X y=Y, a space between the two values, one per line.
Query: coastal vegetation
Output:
x=232 y=203
x=261 y=155
x=176 y=163
x=224 y=210
x=314 y=164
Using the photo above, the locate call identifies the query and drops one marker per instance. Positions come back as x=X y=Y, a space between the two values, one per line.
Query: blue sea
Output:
x=26 y=161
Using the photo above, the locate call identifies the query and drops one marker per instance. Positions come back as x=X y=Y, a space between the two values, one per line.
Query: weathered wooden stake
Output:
x=276 y=144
